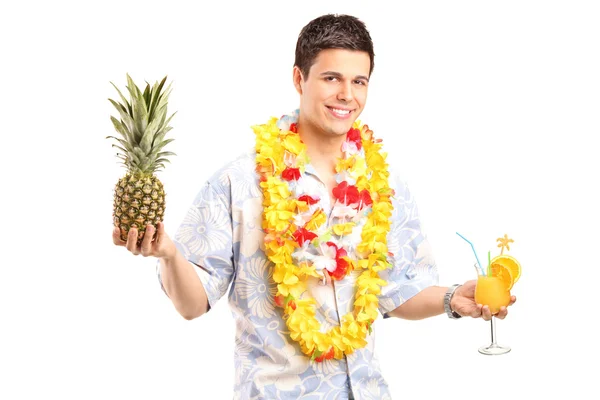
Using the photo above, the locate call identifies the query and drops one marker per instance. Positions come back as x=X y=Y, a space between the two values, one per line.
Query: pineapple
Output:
x=139 y=197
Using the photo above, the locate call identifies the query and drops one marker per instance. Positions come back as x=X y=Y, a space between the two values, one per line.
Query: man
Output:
x=289 y=223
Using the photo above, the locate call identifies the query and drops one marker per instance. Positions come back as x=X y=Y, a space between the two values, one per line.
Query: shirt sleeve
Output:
x=205 y=238
x=413 y=265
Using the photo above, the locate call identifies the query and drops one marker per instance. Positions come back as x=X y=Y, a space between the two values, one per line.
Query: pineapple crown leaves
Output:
x=143 y=126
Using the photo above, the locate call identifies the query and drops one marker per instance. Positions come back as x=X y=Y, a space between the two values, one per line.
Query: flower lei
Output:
x=294 y=225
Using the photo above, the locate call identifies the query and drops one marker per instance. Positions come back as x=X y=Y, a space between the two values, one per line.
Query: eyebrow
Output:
x=338 y=75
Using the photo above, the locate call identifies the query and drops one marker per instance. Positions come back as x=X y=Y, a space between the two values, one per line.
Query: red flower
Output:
x=292 y=304
x=329 y=355
x=279 y=300
x=341 y=267
x=285 y=301
x=291 y=174
x=339 y=252
x=365 y=198
x=345 y=193
x=326 y=355
x=354 y=136
x=302 y=235
x=294 y=127
x=306 y=198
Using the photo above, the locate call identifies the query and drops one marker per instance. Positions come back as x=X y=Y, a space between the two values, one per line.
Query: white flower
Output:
x=282 y=367
x=372 y=390
x=255 y=287
x=305 y=186
x=243 y=363
x=289 y=159
x=247 y=220
x=327 y=259
x=342 y=211
x=350 y=148
x=326 y=367
x=286 y=120
x=236 y=177
x=303 y=253
x=351 y=241
x=302 y=218
x=205 y=228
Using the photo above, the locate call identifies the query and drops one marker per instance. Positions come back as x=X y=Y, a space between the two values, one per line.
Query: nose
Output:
x=345 y=92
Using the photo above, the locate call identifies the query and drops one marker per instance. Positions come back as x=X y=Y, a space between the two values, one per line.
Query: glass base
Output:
x=494 y=350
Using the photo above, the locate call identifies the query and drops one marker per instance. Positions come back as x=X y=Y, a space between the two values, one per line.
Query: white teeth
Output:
x=341 y=112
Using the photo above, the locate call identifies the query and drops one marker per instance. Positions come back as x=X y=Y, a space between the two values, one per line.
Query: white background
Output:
x=489 y=108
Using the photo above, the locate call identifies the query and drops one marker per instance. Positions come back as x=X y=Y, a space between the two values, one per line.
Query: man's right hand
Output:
x=161 y=247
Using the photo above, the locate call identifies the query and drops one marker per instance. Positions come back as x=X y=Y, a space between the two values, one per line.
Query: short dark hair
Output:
x=332 y=31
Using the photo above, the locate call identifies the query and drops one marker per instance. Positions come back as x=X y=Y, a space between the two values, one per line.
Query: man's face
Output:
x=335 y=92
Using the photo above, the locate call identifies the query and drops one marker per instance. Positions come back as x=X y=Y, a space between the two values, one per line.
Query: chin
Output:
x=340 y=130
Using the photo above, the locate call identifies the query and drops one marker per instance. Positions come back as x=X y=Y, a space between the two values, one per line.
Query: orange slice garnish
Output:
x=502 y=272
x=511 y=263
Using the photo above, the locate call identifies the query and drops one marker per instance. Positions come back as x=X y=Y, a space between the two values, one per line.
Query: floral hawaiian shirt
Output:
x=221 y=236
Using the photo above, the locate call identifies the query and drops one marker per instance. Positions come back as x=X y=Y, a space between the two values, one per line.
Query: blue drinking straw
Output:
x=477 y=258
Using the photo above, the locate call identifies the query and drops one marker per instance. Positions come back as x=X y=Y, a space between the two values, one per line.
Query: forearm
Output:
x=183 y=286
x=427 y=303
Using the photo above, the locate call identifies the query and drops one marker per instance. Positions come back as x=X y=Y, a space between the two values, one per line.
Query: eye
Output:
x=330 y=78
x=360 y=82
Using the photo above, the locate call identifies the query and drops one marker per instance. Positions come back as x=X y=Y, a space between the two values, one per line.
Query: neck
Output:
x=323 y=150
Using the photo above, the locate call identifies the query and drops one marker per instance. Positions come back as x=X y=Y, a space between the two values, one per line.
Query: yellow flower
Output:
x=343 y=229
x=295 y=290
x=368 y=262
x=279 y=273
x=280 y=256
x=308 y=270
x=275 y=189
x=353 y=334
x=302 y=206
x=369 y=284
x=317 y=219
x=362 y=183
x=344 y=164
x=337 y=341
x=293 y=144
x=358 y=169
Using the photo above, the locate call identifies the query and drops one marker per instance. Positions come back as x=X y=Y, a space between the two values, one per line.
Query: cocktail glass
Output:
x=491 y=291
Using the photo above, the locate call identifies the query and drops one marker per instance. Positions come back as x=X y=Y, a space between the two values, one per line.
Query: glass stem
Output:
x=493 y=321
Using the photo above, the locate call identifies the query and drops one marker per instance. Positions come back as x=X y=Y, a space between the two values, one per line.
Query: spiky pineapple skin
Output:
x=139 y=201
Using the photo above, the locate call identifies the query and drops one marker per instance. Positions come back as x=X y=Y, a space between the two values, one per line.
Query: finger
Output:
x=502 y=313
x=146 y=246
x=513 y=299
x=132 y=241
x=160 y=232
x=116 y=236
x=486 y=314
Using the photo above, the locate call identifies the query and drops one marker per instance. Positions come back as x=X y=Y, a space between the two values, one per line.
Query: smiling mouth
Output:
x=339 y=112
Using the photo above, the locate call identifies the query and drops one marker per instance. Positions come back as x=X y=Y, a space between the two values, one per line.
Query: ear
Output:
x=298 y=79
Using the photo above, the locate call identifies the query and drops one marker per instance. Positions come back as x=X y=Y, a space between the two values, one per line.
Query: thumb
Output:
x=160 y=232
x=161 y=236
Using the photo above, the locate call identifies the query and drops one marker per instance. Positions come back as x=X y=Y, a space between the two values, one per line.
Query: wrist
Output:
x=453 y=302
x=167 y=250
x=449 y=302
x=169 y=255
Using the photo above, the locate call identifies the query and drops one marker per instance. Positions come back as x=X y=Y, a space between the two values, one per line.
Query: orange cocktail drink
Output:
x=491 y=291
